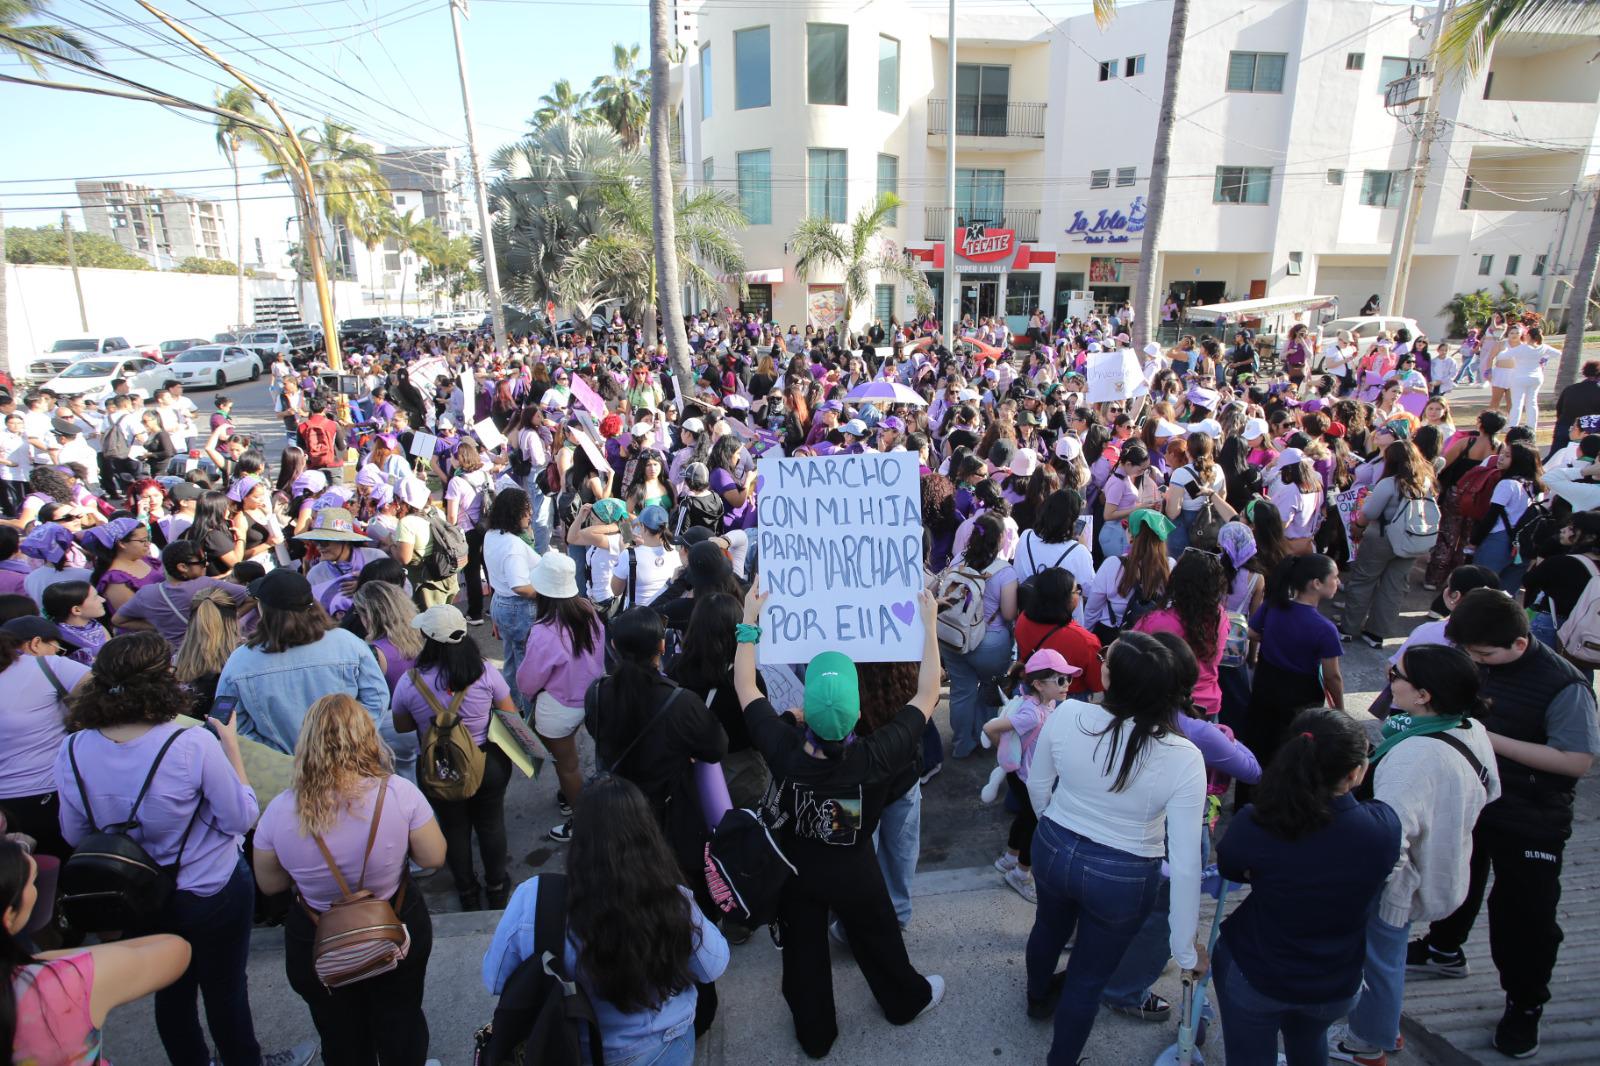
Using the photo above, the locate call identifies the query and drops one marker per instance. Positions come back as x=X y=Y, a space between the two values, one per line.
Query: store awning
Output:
x=756 y=277
x=1269 y=305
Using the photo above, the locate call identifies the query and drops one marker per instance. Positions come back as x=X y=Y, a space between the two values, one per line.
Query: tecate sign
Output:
x=983 y=245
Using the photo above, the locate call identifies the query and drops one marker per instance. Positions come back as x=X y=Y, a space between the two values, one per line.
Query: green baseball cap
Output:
x=833 y=695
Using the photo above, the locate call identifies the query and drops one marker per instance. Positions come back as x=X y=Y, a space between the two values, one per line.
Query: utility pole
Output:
x=72 y=261
x=1398 y=276
x=952 y=277
x=491 y=270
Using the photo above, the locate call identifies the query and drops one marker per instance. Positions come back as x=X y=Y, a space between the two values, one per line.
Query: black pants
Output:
x=483 y=814
x=12 y=494
x=376 y=1022
x=39 y=817
x=1523 y=932
x=847 y=881
x=472 y=576
x=1023 y=825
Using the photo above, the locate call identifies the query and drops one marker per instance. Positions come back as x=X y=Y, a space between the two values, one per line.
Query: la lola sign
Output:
x=979 y=244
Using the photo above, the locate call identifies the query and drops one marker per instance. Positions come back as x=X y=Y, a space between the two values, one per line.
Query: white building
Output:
x=161 y=226
x=1286 y=173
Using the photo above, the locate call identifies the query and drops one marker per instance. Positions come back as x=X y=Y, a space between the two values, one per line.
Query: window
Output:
x=752 y=68
x=1296 y=263
x=1466 y=193
x=1256 y=72
x=825 y=183
x=827 y=64
x=980 y=195
x=1127 y=175
x=1099 y=179
x=1485 y=265
x=981 y=97
x=889 y=181
x=1513 y=264
x=1539 y=262
x=1108 y=69
x=755 y=186
x=1133 y=66
x=1355 y=61
x=705 y=82
x=1335 y=176
x=1242 y=185
x=889 y=75
x=1382 y=188
x=883 y=303
x=399 y=201
x=707 y=169
x=1393 y=68
x=675 y=134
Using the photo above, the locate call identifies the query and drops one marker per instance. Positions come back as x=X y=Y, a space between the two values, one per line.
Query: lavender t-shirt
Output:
x=741 y=517
x=482 y=694
x=404 y=809
x=32 y=723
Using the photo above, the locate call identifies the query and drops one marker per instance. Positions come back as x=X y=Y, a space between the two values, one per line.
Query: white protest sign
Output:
x=841 y=556
x=469 y=396
x=596 y=456
x=784 y=689
x=1114 y=376
x=1348 y=504
x=423 y=445
x=489 y=434
x=424 y=374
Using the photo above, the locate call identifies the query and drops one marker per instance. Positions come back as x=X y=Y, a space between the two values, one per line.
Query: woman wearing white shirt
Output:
x=598 y=530
x=1116 y=787
x=657 y=561
x=1191 y=485
x=1056 y=542
x=510 y=561
x=1526 y=377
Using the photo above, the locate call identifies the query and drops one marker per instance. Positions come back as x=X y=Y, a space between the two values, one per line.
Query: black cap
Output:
x=186 y=490
x=30 y=626
x=282 y=590
x=708 y=565
x=65 y=428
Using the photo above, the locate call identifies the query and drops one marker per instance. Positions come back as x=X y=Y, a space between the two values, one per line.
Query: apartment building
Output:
x=158 y=224
x=1287 y=167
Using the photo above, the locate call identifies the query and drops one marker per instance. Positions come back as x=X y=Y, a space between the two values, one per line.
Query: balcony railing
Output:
x=1024 y=220
x=976 y=117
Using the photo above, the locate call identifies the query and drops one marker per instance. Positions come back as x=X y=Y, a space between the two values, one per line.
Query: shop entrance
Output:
x=980 y=297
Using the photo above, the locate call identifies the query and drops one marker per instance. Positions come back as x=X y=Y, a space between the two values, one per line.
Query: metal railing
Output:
x=976 y=117
x=1024 y=220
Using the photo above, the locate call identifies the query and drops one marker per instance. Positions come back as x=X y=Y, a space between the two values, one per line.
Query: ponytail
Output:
x=1293 y=574
x=1324 y=745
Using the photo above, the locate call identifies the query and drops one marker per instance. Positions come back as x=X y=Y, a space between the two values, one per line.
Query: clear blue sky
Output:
x=388 y=69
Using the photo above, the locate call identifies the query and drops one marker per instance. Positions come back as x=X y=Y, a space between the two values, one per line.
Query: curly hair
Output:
x=338 y=751
x=1195 y=593
x=132 y=681
x=48 y=481
x=885 y=689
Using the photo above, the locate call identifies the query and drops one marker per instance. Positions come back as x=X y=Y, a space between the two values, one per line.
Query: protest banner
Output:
x=424 y=374
x=784 y=689
x=469 y=397
x=423 y=445
x=1348 y=505
x=593 y=451
x=489 y=434
x=1114 y=376
x=841 y=556
x=587 y=397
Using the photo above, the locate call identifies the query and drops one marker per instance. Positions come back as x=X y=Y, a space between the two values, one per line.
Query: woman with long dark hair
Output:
x=982 y=562
x=705 y=667
x=1116 y=787
x=211 y=531
x=1521 y=486
x=636 y=942
x=1380 y=578
x=1194 y=612
x=1289 y=959
x=1461 y=454
x=1056 y=541
x=52 y=1007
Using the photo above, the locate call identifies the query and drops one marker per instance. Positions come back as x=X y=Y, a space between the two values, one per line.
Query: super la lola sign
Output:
x=980 y=244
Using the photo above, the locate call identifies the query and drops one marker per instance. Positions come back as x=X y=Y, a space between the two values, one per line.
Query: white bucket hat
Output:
x=556 y=576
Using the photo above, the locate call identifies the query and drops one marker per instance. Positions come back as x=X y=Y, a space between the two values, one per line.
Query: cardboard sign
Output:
x=595 y=454
x=489 y=435
x=587 y=397
x=1114 y=376
x=423 y=445
x=425 y=373
x=784 y=689
x=1348 y=505
x=469 y=397
x=841 y=556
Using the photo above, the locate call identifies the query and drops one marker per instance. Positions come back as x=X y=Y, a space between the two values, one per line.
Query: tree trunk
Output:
x=1145 y=295
x=1578 y=303
x=668 y=295
x=238 y=221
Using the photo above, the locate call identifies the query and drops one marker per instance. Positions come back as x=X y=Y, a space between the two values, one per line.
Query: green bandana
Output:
x=1154 y=521
x=1398 y=727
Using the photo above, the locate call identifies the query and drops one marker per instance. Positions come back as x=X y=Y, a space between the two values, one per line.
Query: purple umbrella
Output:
x=884 y=392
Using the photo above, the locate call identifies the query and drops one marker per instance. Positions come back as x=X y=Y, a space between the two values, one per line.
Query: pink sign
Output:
x=590 y=399
x=1414 y=402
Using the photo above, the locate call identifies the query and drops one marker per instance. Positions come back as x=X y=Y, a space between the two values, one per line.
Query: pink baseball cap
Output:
x=1049 y=659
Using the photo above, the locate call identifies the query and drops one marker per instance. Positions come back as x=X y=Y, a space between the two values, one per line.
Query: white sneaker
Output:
x=1006 y=862
x=937 y=984
x=299 y=1055
x=1023 y=884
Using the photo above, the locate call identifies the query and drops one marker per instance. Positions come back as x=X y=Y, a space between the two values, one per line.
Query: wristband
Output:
x=745 y=633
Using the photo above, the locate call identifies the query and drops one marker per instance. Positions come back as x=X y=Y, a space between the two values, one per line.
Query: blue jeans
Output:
x=1102 y=893
x=967 y=672
x=1147 y=955
x=513 y=616
x=898 y=839
x=675 y=1047
x=544 y=508
x=218 y=929
x=1178 y=539
x=1113 y=540
x=1252 y=1021
x=1375 y=1019
x=404 y=746
x=932 y=747
x=1543 y=625
x=1499 y=554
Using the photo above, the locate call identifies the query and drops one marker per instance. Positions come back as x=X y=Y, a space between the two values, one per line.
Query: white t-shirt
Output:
x=657 y=566
x=1185 y=475
x=1513 y=496
x=1033 y=555
x=509 y=560
x=602 y=561
x=14 y=447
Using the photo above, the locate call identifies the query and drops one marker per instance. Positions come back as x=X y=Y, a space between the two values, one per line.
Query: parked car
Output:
x=362 y=331
x=1366 y=330
x=217 y=365
x=63 y=353
x=303 y=338
x=268 y=342
x=226 y=338
x=92 y=378
x=422 y=325
x=169 y=349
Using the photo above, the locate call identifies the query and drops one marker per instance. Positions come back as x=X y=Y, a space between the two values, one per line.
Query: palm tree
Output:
x=343 y=169
x=562 y=101
x=371 y=226
x=28 y=41
x=858 y=252
x=1470 y=31
x=661 y=198
x=624 y=97
x=231 y=137
x=410 y=235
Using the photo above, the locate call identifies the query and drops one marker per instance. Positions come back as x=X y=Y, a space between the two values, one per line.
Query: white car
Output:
x=92 y=378
x=68 y=350
x=422 y=325
x=215 y=365
x=1366 y=330
x=267 y=343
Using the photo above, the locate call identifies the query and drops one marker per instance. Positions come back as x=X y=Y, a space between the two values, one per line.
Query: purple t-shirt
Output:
x=404 y=809
x=1296 y=637
x=467 y=491
x=741 y=517
x=481 y=696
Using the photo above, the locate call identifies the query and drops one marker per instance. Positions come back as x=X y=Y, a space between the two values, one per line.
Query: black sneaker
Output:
x=561 y=833
x=1421 y=957
x=1371 y=639
x=1153 y=1009
x=1517 y=1035
x=1045 y=1009
x=563 y=804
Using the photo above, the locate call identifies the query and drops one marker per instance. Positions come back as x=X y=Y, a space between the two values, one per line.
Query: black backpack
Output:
x=109 y=882
x=1027 y=589
x=746 y=870
x=543 y=1012
x=1537 y=527
x=447 y=548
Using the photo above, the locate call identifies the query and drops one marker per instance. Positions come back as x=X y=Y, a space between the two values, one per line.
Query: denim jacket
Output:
x=274 y=690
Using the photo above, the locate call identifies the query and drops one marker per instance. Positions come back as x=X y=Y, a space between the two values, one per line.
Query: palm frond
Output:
x=1472 y=27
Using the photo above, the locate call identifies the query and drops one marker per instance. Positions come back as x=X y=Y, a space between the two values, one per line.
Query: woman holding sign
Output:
x=832 y=785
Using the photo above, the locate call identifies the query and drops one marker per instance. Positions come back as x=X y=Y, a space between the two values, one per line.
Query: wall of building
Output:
x=146 y=306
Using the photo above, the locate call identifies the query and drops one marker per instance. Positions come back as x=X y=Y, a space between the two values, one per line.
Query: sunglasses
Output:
x=1395 y=675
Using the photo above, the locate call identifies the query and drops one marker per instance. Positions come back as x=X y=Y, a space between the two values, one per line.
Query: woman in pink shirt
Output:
x=1296 y=489
x=1195 y=614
